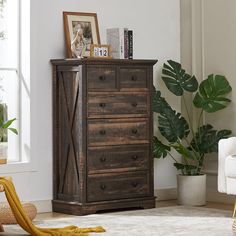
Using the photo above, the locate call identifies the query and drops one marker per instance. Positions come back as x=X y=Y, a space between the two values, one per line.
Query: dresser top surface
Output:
x=90 y=61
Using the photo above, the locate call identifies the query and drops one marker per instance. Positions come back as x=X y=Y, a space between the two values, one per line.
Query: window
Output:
x=9 y=68
x=14 y=88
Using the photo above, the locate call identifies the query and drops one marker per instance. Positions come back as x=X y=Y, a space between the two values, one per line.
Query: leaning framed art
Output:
x=81 y=30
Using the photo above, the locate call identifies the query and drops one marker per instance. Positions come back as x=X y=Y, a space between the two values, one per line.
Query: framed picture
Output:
x=100 y=50
x=81 y=30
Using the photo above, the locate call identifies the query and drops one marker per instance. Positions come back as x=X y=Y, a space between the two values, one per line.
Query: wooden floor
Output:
x=52 y=215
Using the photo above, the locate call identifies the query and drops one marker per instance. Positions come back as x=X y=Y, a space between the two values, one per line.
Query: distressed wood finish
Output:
x=124 y=104
x=117 y=159
x=102 y=132
x=117 y=186
x=1 y=228
x=133 y=77
x=102 y=78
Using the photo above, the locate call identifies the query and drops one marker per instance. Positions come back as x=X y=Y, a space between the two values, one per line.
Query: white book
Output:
x=115 y=38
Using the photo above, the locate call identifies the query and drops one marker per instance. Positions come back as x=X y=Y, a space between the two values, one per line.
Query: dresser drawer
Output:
x=117 y=186
x=133 y=78
x=102 y=78
x=117 y=158
x=110 y=104
x=118 y=131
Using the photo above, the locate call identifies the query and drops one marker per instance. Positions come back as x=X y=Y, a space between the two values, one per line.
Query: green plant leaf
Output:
x=211 y=94
x=159 y=103
x=8 y=123
x=3 y=114
x=172 y=125
x=159 y=149
x=13 y=130
x=184 y=151
x=180 y=166
x=207 y=139
x=176 y=80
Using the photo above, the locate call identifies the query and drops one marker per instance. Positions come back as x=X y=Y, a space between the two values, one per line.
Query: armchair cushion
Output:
x=230 y=166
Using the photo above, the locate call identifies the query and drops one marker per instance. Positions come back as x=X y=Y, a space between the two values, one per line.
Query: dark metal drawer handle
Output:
x=134 y=77
x=102 y=105
x=103 y=159
x=102 y=77
x=134 y=184
x=102 y=132
x=134 y=131
x=134 y=104
x=103 y=186
x=134 y=157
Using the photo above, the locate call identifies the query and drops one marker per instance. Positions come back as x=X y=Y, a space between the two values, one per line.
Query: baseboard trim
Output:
x=166 y=194
x=215 y=196
x=161 y=195
x=43 y=205
x=211 y=195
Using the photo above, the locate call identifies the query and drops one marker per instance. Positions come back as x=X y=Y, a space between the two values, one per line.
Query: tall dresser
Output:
x=102 y=135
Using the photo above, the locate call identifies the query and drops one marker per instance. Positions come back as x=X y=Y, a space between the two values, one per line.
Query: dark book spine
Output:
x=126 y=44
x=130 y=43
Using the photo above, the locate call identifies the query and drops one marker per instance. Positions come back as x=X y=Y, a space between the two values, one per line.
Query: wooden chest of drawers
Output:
x=102 y=132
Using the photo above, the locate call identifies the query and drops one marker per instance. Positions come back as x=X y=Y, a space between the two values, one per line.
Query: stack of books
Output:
x=121 y=41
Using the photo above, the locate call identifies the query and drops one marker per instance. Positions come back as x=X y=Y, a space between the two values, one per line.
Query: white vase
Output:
x=191 y=190
x=3 y=152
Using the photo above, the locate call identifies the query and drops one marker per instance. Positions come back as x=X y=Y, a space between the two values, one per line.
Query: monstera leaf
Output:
x=186 y=169
x=211 y=94
x=176 y=80
x=172 y=125
x=159 y=149
x=185 y=152
x=207 y=139
x=159 y=103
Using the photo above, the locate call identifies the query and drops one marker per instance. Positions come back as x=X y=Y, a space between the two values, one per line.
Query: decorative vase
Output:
x=3 y=152
x=191 y=190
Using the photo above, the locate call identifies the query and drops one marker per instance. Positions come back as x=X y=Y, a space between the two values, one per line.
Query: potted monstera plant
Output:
x=191 y=141
x=5 y=125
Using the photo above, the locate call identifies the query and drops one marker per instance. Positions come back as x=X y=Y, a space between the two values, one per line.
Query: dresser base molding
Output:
x=76 y=208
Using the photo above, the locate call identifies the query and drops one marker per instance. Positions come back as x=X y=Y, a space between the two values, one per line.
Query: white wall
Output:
x=208 y=46
x=156 y=36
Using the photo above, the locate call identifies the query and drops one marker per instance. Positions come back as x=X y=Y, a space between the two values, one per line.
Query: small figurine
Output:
x=78 y=43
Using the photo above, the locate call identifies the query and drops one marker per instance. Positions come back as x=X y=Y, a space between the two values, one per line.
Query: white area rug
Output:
x=165 y=221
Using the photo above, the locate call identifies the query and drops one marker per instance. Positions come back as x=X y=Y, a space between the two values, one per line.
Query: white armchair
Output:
x=227 y=167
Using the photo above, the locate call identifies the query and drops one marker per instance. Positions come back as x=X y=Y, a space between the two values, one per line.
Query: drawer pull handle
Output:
x=134 y=131
x=134 y=184
x=103 y=186
x=103 y=132
x=102 y=105
x=134 y=78
x=102 y=77
x=134 y=157
x=103 y=159
x=134 y=104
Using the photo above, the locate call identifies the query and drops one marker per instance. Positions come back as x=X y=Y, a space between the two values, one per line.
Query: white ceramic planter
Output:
x=191 y=190
x=3 y=152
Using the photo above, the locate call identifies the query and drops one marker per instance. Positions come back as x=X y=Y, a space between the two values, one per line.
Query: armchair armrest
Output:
x=226 y=147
